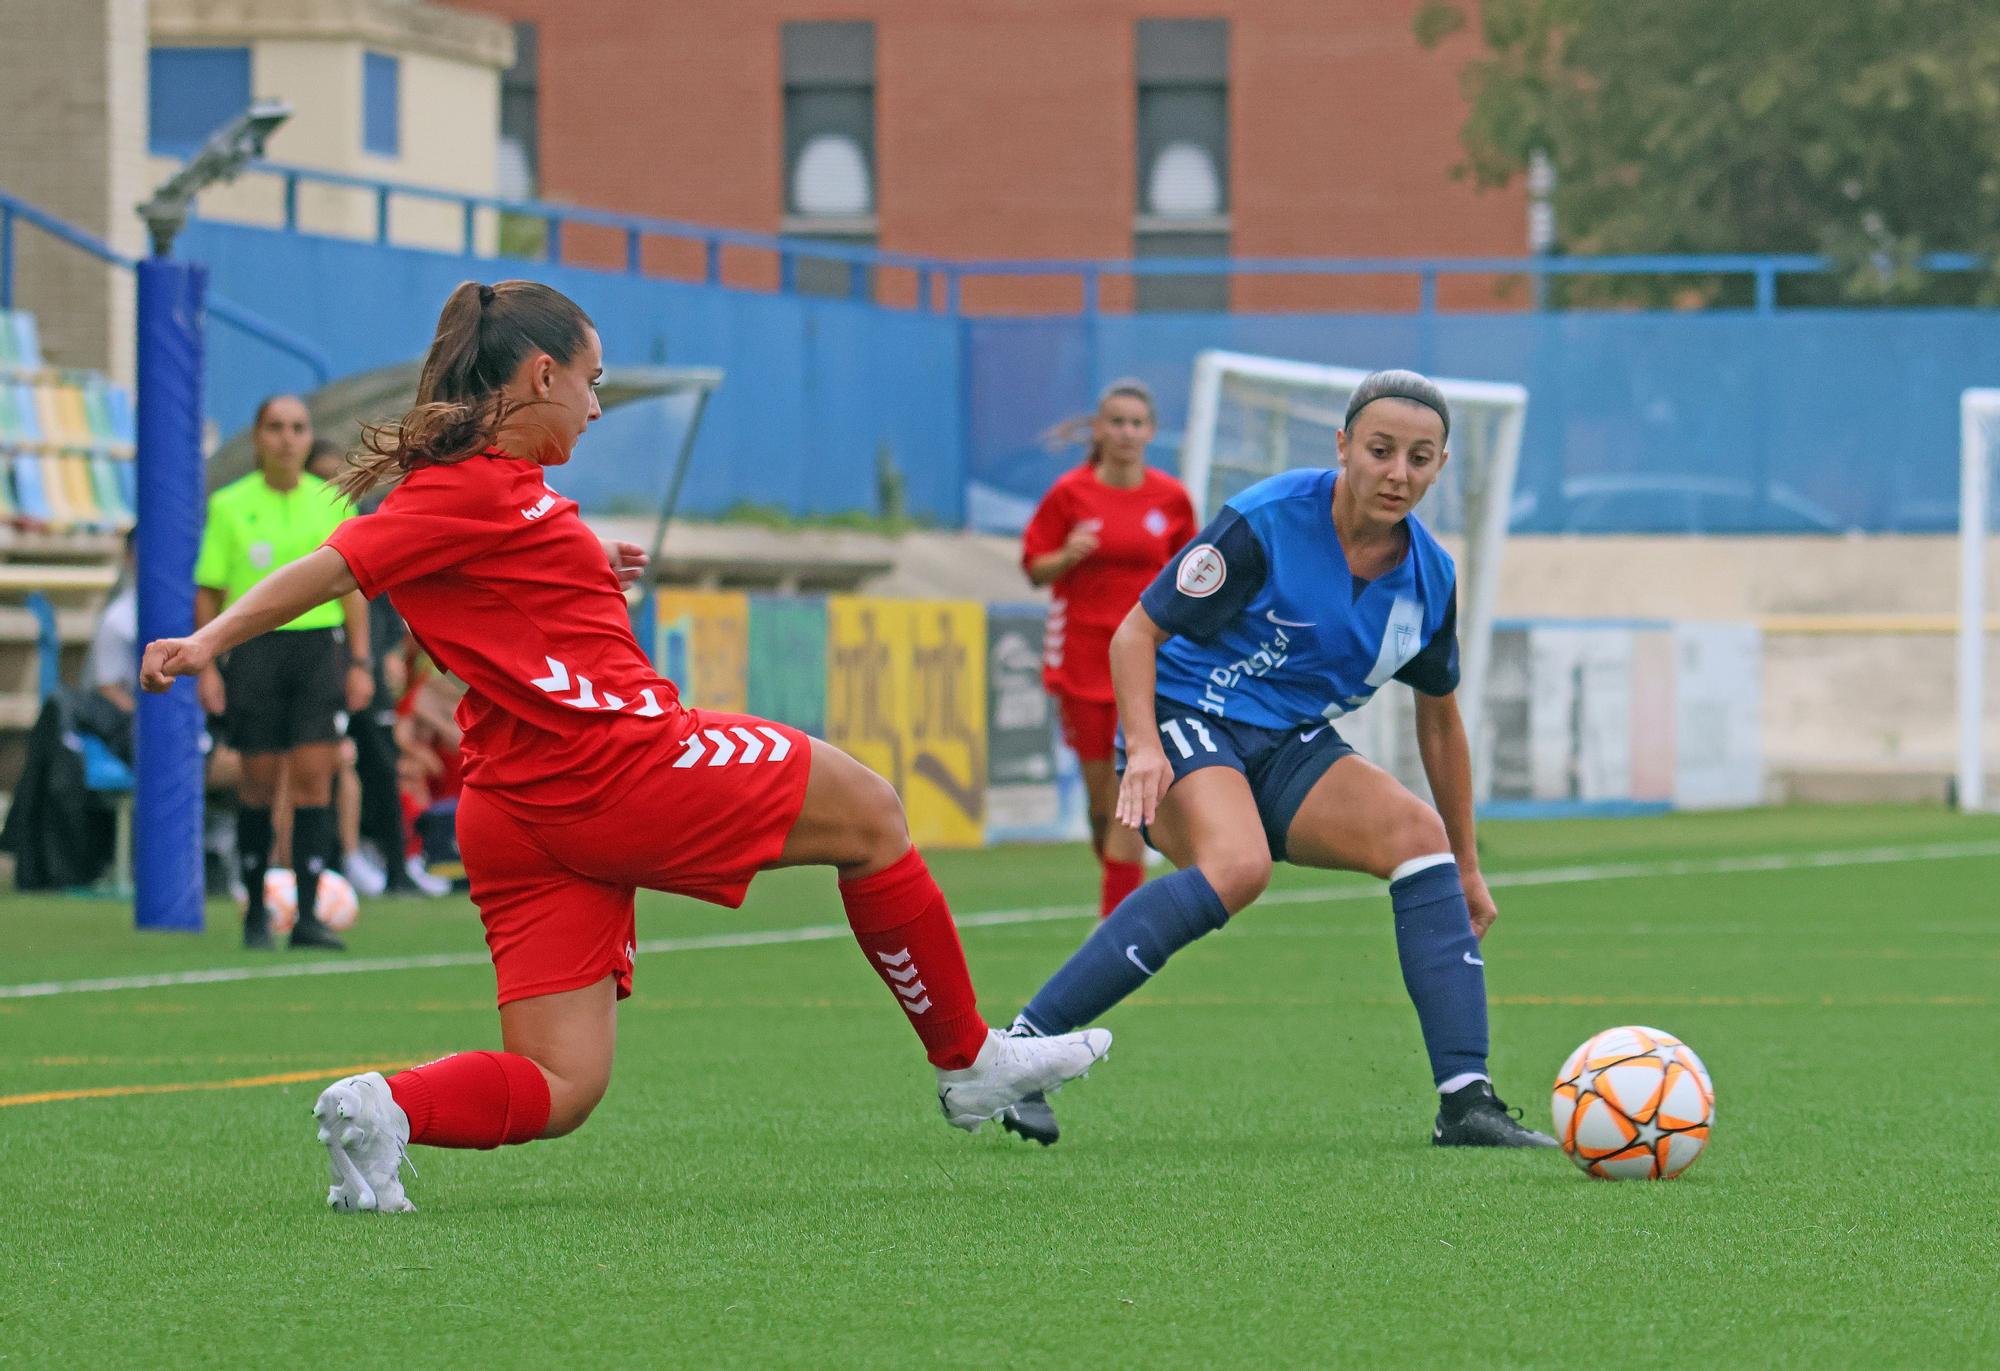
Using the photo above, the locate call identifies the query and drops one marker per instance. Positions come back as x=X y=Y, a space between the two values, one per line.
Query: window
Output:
x=520 y=117
x=1183 y=149
x=381 y=104
x=829 y=190
x=192 y=92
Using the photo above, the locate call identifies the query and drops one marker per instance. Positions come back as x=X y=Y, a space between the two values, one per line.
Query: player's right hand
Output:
x=167 y=658
x=1147 y=776
x=1082 y=541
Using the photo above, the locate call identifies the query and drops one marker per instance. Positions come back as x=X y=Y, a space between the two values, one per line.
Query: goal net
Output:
x=1979 y=455
x=1250 y=417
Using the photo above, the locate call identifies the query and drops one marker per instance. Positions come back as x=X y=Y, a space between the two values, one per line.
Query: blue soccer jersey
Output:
x=1270 y=627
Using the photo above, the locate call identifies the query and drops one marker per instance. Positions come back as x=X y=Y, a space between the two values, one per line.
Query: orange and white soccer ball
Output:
x=338 y=905
x=1634 y=1103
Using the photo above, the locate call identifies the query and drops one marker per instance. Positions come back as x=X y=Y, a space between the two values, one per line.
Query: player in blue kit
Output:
x=1301 y=598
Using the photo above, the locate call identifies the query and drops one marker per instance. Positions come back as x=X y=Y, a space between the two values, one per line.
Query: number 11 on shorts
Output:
x=1172 y=728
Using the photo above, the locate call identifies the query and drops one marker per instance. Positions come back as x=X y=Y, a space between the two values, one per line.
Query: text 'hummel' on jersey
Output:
x=540 y=507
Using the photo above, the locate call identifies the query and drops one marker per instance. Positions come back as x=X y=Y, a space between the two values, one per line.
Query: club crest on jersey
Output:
x=1202 y=571
x=1406 y=636
x=1155 y=522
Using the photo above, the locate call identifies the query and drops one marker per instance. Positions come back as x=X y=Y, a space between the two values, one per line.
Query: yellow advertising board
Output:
x=704 y=647
x=906 y=694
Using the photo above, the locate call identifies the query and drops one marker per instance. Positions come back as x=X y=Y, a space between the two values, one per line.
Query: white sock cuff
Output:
x=1462 y=1080
x=1416 y=864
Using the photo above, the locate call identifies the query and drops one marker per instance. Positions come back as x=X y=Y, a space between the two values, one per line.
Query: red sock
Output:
x=1120 y=880
x=473 y=1099
x=900 y=918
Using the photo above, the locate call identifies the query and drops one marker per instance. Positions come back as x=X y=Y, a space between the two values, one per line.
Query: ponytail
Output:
x=483 y=332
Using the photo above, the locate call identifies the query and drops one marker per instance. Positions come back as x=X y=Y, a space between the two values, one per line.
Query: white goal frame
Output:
x=1979 y=453
x=1489 y=487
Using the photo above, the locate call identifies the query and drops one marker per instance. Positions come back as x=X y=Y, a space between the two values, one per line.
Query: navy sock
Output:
x=315 y=840
x=1126 y=948
x=1442 y=969
x=253 y=855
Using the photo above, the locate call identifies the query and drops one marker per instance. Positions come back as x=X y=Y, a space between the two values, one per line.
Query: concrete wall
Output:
x=1860 y=690
x=72 y=137
x=1847 y=714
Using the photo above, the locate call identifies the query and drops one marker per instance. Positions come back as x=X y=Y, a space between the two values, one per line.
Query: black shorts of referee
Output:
x=286 y=689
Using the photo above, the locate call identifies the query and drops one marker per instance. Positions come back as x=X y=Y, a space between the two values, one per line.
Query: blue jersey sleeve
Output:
x=1434 y=670
x=1212 y=581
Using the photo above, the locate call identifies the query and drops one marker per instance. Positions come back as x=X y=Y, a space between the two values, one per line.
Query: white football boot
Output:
x=1008 y=1068
x=367 y=1138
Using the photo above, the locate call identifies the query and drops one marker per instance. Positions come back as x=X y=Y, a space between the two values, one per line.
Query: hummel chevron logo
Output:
x=559 y=680
x=722 y=749
x=902 y=973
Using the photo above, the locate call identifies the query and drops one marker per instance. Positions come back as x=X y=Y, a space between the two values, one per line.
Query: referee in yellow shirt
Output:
x=283 y=697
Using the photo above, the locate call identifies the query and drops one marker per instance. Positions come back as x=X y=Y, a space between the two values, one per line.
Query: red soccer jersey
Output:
x=1138 y=531
x=507 y=589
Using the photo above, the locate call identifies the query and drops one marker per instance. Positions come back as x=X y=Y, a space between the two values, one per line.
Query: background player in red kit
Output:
x=585 y=776
x=1098 y=538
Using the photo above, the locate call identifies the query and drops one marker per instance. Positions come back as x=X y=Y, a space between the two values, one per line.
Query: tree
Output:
x=1867 y=130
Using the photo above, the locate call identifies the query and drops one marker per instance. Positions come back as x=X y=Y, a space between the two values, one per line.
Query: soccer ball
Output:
x=1633 y=1104
x=337 y=908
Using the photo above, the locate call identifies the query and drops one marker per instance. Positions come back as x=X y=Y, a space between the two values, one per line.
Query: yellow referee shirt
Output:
x=253 y=530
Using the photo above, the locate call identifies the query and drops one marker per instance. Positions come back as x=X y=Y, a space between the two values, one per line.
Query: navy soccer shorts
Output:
x=1281 y=764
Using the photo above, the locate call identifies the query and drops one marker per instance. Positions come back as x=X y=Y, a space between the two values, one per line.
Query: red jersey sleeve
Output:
x=420 y=530
x=1049 y=529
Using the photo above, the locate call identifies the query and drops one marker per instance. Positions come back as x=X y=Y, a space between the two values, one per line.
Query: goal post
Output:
x=1979 y=452
x=1253 y=416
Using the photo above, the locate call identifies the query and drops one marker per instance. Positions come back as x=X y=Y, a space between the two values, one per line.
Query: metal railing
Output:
x=1764 y=270
x=13 y=208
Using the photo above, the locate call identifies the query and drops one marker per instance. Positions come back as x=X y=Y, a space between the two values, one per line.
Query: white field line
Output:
x=1555 y=875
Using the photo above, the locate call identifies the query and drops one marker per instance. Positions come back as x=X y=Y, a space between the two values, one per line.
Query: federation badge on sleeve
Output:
x=1202 y=571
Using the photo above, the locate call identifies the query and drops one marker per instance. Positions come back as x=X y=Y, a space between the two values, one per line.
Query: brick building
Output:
x=1014 y=129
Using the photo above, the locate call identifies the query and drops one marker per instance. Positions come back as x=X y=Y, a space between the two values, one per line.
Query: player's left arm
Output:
x=1447 y=756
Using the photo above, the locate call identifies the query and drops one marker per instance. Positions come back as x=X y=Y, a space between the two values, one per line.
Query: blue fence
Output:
x=817 y=392
x=1801 y=421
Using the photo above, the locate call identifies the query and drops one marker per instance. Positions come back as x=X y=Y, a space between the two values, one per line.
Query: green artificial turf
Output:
x=1246 y=1182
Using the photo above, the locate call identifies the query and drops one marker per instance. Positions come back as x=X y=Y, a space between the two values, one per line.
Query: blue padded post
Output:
x=167 y=803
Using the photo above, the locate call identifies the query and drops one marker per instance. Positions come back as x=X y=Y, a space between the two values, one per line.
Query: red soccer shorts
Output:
x=1088 y=726
x=696 y=818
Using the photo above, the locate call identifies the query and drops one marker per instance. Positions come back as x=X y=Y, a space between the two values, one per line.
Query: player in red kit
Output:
x=585 y=776
x=1098 y=538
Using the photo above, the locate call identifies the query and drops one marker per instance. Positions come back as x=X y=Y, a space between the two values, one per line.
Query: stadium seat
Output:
x=104 y=774
x=110 y=491
x=33 y=500
x=73 y=468
x=27 y=414
x=12 y=426
x=20 y=345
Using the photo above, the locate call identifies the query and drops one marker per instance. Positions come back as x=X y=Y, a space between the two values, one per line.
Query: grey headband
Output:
x=1398 y=385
